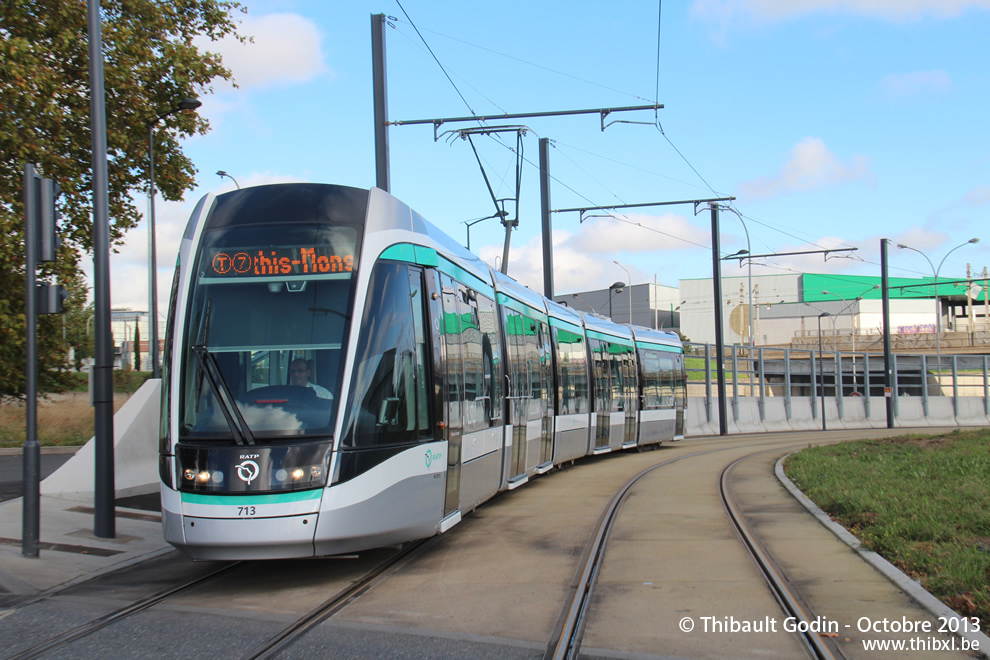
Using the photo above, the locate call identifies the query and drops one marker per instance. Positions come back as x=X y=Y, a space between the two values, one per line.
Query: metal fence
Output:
x=764 y=372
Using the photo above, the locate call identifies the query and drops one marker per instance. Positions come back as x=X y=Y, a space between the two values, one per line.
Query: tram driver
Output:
x=300 y=373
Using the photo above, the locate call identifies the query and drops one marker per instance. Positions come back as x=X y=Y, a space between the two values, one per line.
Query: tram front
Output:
x=258 y=324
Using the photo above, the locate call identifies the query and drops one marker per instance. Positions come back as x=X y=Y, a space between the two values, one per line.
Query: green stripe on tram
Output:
x=257 y=500
x=659 y=347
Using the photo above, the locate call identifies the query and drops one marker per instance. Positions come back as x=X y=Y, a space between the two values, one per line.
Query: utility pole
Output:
x=382 y=174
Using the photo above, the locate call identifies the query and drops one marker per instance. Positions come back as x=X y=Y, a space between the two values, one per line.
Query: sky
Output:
x=833 y=123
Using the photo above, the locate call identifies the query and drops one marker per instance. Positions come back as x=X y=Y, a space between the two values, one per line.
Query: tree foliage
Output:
x=151 y=62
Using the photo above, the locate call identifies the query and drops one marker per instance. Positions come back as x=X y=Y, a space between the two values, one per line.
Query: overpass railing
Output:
x=774 y=382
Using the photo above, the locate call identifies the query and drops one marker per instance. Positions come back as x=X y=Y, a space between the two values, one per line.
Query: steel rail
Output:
x=566 y=641
x=788 y=601
x=289 y=635
x=86 y=629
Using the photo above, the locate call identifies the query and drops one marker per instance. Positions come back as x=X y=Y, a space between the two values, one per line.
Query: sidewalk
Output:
x=68 y=550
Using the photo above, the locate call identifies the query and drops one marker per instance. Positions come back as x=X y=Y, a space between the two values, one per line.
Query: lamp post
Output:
x=616 y=287
x=222 y=174
x=184 y=104
x=938 y=307
x=628 y=279
x=821 y=371
x=854 y=329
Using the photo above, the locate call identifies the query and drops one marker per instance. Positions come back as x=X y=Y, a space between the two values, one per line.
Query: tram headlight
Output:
x=204 y=476
x=298 y=474
x=188 y=474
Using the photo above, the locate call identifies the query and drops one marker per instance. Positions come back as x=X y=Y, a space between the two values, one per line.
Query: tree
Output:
x=151 y=61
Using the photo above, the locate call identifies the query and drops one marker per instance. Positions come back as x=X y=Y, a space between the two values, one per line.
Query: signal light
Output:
x=47 y=219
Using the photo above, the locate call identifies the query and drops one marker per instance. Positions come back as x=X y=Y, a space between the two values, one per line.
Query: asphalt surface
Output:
x=12 y=472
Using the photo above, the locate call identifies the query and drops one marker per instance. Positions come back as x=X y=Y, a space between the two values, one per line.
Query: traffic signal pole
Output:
x=31 y=513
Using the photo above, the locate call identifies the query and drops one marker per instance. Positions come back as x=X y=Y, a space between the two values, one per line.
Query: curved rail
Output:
x=788 y=601
x=567 y=641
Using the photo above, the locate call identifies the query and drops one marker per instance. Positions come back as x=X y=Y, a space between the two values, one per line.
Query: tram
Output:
x=340 y=375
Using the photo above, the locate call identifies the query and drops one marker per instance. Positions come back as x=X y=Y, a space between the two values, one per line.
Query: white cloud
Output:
x=810 y=166
x=286 y=49
x=584 y=260
x=979 y=196
x=765 y=11
x=915 y=83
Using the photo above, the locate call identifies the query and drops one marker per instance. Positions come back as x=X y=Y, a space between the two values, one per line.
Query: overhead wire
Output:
x=436 y=59
x=538 y=66
x=657 y=123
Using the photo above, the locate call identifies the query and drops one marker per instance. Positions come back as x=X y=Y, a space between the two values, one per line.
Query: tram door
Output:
x=453 y=389
x=680 y=396
x=603 y=393
x=546 y=402
x=517 y=328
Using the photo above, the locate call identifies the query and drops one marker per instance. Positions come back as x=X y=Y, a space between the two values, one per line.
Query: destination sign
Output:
x=299 y=260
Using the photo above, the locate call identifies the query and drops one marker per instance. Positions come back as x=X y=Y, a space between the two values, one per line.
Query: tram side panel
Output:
x=472 y=354
x=390 y=474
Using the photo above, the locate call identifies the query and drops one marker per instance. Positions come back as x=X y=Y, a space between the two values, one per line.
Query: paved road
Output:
x=12 y=472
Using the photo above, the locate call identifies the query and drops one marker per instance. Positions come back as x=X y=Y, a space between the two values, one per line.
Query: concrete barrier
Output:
x=940 y=412
x=972 y=412
x=749 y=417
x=911 y=413
x=776 y=415
x=697 y=419
x=135 y=441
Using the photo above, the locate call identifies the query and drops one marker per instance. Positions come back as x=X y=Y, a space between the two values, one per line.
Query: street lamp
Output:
x=821 y=371
x=629 y=279
x=854 y=328
x=938 y=307
x=749 y=272
x=222 y=174
x=616 y=287
x=184 y=104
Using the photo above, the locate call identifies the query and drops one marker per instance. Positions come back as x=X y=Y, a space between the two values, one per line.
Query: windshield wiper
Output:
x=228 y=405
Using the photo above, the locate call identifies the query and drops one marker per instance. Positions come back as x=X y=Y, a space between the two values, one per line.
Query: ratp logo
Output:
x=248 y=471
x=432 y=456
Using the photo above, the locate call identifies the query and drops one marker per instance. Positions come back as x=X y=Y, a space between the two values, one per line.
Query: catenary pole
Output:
x=888 y=371
x=380 y=81
x=545 y=217
x=723 y=423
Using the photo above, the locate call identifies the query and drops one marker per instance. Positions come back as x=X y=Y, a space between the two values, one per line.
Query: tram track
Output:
x=787 y=597
x=267 y=648
x=565 y=642
x=79 y=632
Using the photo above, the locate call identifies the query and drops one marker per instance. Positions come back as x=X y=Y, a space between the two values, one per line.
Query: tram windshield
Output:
x=265 y=331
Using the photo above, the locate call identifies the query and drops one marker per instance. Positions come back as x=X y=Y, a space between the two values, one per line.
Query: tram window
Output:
x=666 y=382
x=386 y=394
x=533 y=368
x=572 y=372
x=491 y=359
x=651 y=379
x=262 y=293
x=600 y=366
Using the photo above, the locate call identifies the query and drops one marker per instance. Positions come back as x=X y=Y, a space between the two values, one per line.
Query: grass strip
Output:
x=921 y=502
